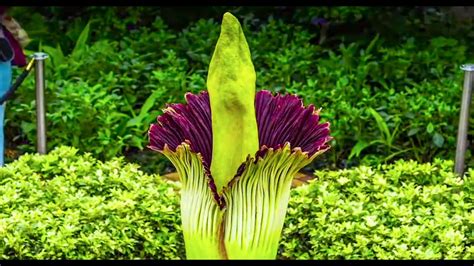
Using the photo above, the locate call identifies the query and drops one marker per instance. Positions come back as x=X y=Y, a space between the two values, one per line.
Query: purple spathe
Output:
x=181 y=122
x=280 y=119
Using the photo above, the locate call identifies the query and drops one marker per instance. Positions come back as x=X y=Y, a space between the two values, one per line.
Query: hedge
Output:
x=66 y=205
x=405 y=210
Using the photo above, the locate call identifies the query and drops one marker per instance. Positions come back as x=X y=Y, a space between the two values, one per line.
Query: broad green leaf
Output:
x=27 y=126
x=438 y=140
x=56 y=55
x=231 y=86
x=413 y=131
x=81 y=41
x=430 y=128
x=358 y=148
x=382 y=125
x=150 y=101
x=60 y=55
x=372 y=44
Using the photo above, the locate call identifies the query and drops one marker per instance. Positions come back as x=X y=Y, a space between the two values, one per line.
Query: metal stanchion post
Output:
x=464 y=118
x=40 y=102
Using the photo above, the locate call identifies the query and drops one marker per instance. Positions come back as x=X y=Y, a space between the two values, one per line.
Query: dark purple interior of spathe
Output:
x=280 y=119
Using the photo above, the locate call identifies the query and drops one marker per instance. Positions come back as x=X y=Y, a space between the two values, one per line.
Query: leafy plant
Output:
x=386 y=138
x=68 y=205
x=236 y=153
x=413 y=82
x=404 y=210
x=64 y=205
x=80 y=50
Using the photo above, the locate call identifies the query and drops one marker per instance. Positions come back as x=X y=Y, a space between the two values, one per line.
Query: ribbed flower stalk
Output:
x=236 y=152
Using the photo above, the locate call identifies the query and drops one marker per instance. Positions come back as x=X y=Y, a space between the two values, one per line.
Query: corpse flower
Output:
x=236 y=153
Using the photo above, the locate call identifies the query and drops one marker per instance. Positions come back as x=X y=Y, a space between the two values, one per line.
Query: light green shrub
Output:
x=66 y=206
x=405 y=210
x=69 y=206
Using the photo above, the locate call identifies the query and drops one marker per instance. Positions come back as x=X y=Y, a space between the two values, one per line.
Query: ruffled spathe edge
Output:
x=283 y=123
x=280 y=119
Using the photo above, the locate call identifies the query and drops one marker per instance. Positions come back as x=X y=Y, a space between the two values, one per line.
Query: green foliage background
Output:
x=387 y=79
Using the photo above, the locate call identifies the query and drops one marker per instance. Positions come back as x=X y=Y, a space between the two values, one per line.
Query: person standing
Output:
x=12 y=40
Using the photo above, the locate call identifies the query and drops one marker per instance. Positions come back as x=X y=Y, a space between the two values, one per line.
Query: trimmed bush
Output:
x=405 y=210
x=66 y=206
x=69 y=206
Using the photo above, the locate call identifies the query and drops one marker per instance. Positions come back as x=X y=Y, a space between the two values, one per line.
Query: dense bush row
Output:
x=109 y=78
x=66 y=206
x=404 y=210
x=69 y=206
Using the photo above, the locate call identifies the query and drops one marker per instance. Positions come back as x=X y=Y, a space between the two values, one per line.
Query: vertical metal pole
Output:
x=40 y=103
x=464 y=118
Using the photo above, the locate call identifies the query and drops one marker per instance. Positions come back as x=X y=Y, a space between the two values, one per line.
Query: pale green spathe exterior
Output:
x=257 y=203
x=231 y=87
x=250 y=226
x=200 y=214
